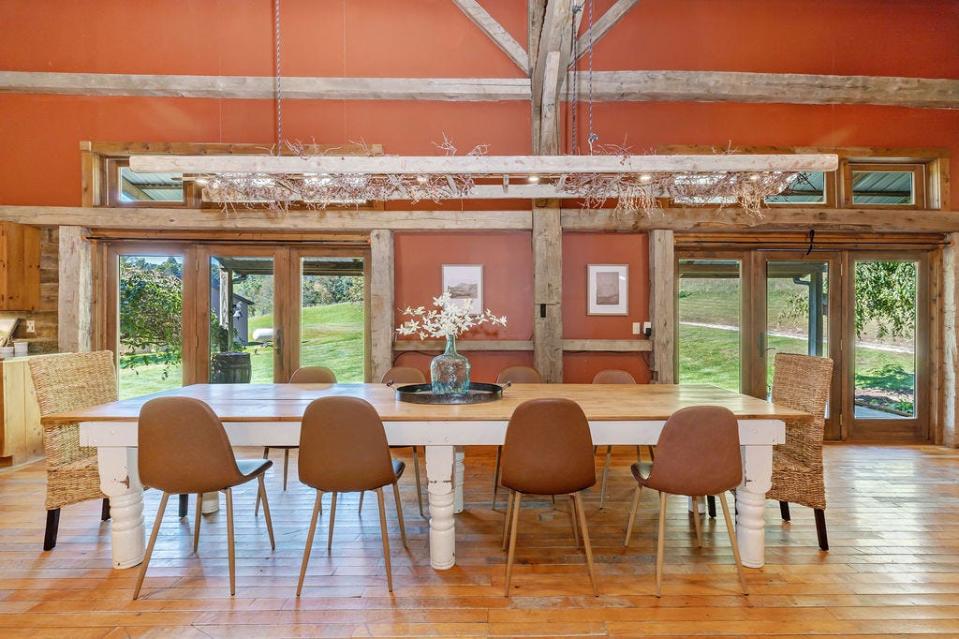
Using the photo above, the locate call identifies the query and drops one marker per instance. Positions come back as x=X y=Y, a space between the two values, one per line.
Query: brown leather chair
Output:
x=614 y=376
x=548 y=451
x=511 y=375
x=407 y=375
x=697 y=455
x=343 y=449
x=183 y=448
x=302 y=375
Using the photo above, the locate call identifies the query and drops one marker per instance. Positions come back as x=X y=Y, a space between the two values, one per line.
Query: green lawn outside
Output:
x=332 y=336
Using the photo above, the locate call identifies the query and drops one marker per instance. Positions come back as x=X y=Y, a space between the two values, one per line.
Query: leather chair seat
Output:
x=641 y=471
x=250 y=468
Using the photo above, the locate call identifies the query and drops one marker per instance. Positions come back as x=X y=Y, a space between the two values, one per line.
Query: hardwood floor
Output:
x=893 y=569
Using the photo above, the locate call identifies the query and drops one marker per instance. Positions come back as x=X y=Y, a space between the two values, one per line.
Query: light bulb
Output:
x=533 y=179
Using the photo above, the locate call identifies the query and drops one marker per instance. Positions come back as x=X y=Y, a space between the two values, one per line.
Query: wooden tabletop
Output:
x=287 y=402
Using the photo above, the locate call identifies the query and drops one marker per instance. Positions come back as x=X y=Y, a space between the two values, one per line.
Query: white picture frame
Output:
x=607 y=289
x=465 y=282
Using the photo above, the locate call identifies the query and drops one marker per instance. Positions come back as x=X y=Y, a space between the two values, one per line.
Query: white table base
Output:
x=119 y=480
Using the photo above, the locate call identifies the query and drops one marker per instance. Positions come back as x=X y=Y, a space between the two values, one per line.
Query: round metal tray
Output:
x=423 y=394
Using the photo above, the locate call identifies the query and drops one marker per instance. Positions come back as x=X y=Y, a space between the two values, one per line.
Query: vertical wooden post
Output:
x=75 y=299
x=548 y=293
x=381 y=303
x=662 y=305
x=948 y=432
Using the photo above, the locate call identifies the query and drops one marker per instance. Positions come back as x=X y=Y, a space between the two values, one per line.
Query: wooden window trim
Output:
x=918 y=170
x=112 y=166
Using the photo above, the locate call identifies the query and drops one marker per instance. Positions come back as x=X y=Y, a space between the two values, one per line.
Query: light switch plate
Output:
x=647 y=328
x=637 y=328
x=31 y=326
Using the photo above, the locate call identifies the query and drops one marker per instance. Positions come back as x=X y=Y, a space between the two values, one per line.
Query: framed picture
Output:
x=607 y=288
x=465 y=282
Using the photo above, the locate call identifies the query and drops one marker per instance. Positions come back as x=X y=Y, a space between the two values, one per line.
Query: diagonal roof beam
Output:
x=555 y=37
x=602 y=26
x=500 y=36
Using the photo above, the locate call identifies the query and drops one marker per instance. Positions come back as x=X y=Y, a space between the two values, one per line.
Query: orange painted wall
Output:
x=39 y=160
x=507 y=260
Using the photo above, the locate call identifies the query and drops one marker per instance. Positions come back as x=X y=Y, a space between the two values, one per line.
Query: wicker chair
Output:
x=67 y=382
x=802 y=382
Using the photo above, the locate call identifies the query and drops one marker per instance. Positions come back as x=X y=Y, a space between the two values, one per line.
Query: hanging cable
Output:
x=277 y=87
x=572 y=83
x=592 y=137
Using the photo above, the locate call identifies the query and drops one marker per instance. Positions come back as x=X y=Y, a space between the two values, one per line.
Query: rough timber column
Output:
x=548 y=293
x=381 y=303
x=948 y=434
x=75 y=293
x=662 y=305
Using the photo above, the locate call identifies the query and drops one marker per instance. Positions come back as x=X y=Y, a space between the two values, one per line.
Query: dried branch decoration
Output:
x=450 y=317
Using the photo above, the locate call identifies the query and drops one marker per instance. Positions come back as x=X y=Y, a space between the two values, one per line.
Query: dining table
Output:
x=270 y=414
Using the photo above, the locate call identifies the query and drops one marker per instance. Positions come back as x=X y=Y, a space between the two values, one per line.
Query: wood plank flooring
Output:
x=893 y=569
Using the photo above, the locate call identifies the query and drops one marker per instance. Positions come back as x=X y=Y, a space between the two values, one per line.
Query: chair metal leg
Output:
x=309 y=542
x=733 y=542
x=184 y=505
x=360 y=507
x=632 y=514
x=572 y=519
x=660 y=541
x=496 y=471
x=399 y=513
x=696 y=523
x=329 y=539
x=266 y=509
x=416 y=475
x=821 y=528
x=105 y=509
x=514 y=525
x=386 y=539
x=256 y=509
x=711 y=506
x=784 y=510
x=53 y=525
x=153 y=539
x=230 y=547
x=196 y=522
x=510 y=500
x=602 y=487
x=286 y=465
x=584 y=531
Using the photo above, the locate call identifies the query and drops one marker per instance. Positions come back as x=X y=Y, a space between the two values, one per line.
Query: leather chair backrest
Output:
x=613 y=376
x=183 y=448
x=343 y=446
x=519 y=375
x=698 y=453
x=404 y=375
x=548 y=449
x=313 y=375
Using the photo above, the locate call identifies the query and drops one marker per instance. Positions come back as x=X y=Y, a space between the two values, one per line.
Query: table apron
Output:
x=752 y=432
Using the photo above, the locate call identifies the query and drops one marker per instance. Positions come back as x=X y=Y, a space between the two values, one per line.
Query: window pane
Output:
x=150 y=324
x=241 y=322
x=331 y=318
x=150 y=187
x=709 y=322
x=882 y=187
x=807 y=188
x=885 y=373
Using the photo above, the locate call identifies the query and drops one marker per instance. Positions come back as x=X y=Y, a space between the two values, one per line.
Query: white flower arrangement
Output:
x=450 y=317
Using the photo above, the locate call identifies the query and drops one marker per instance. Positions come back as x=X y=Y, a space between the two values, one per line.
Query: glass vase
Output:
x=450 y=372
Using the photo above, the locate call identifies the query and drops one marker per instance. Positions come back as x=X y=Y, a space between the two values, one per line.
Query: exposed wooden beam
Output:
x=608 y=345
x=787 y=88
x=75 y=299
x=463 y=345
x=381 y=303
x=779 y=219
x=484 y=164
x=500 y=36
x=549 y=114
x=608 y=86
x=548 y=292
x=261 y=87
x=662 y=305
x=154 y=219
x=602 y=26
x=554 y=38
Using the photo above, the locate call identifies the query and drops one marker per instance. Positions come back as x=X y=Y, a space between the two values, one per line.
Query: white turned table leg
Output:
x=211 y=503
x=439 y=475
x=120 y=482
x=458 y=473
x=751 y=504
